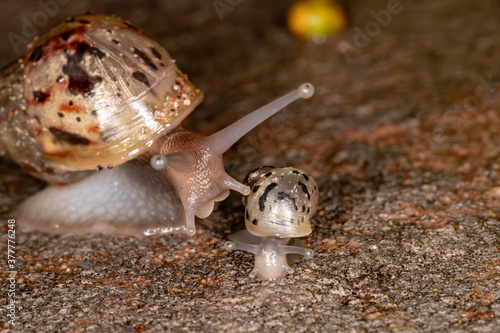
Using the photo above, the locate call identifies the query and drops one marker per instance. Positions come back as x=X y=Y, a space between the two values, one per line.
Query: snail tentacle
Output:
x=287 y=249
x=231 y=246
x=221 y=141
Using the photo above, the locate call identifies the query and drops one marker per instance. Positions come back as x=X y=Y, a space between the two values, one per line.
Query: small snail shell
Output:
x=280 y=205
x=93 y=105
x=281 y=202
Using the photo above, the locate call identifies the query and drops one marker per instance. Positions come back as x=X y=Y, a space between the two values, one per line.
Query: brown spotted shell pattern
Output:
x=94 y=92
x=281 y=202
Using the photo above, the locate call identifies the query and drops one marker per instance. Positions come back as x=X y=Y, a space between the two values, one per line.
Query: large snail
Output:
x=90 y=106
x=277 y=210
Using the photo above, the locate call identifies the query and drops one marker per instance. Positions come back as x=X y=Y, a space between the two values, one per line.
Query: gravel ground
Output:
x=402 y=137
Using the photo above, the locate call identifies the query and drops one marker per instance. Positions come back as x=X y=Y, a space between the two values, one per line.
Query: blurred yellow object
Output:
x=316 y=19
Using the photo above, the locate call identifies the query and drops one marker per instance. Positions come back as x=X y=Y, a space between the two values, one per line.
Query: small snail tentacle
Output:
x=288 y=269
x=289 y=249
x=282 y=250
x=253 y=273
x=252 y=248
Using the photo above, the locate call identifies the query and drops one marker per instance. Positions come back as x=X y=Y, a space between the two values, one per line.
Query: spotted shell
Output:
x=94 y=92
x=281 y=202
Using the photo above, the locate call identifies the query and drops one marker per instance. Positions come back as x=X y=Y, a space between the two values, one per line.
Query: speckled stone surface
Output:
x=402 y=137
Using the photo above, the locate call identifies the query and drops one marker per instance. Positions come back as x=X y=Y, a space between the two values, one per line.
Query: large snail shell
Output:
x=281 y=202
x=94 y=91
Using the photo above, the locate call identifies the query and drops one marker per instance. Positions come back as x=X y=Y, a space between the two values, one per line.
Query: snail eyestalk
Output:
x=221 y=141
x=177 y=161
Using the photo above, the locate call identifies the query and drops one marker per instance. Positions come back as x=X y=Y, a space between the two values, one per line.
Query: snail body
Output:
x=277 y=210
x=89 y=109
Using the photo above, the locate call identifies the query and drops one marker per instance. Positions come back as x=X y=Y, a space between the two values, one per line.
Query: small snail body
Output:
x=94 y=106
x=278 y=209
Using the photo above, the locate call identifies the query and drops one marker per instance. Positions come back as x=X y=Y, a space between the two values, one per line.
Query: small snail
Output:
x=93 y=106
x=278 y=209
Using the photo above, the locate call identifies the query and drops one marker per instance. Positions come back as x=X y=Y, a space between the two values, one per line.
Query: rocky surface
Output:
x=402 y=136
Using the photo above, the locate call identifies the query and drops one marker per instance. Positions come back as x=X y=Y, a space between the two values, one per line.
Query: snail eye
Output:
x=158 y=162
